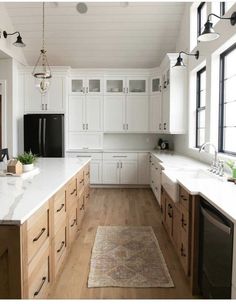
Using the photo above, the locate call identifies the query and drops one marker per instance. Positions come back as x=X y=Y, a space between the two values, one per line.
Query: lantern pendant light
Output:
x=42 y=71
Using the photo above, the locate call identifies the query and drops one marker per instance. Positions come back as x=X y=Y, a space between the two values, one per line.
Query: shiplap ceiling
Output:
x=109 y=35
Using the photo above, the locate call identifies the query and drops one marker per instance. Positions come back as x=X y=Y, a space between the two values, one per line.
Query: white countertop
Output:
x=110 y=150
x=21 y=197
x=220 y=193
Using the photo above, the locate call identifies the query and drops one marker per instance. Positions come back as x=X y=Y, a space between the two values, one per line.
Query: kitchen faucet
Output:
x=216 y=166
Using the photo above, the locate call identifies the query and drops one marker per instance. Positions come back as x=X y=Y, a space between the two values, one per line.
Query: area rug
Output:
x=127 y=256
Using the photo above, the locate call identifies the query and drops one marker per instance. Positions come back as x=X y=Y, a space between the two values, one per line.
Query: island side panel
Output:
x=10 y=262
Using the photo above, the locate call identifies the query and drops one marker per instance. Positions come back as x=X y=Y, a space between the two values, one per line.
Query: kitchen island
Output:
x=40 y=216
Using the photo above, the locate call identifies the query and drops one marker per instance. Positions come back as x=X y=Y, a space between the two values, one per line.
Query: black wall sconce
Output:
x=18 y=42
x=180 y=63
x=208 y=33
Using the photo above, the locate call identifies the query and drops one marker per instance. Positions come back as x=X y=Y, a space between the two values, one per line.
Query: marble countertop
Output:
x=110 y=150
x=197 y=180
x=20 y=197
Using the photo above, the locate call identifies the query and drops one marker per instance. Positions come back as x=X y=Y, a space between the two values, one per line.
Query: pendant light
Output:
x=180 y=64
x=42 y=71
x=209 y=33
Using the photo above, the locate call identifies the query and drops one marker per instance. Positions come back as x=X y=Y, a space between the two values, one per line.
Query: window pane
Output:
x=201 y=137
x=229 y=139
x=201 y=119
x=203 y=81
x=230 y=89
x=230 y=114
x=230 y=63
x=202 y=98
x=228 y=5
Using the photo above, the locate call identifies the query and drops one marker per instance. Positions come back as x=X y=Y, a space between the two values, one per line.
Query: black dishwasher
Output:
x=215 y=253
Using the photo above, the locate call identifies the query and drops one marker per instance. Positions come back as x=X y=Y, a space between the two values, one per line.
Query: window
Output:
x=222 y=8
x=201 y=107
x=227 y=123
x=201 y=17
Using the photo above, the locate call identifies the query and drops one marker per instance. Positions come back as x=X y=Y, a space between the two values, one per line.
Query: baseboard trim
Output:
x=118 y=186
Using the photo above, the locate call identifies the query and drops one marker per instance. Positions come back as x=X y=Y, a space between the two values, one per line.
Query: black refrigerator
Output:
x=44 y=134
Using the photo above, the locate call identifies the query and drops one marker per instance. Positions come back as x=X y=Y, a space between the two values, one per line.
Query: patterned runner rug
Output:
x=127 y=256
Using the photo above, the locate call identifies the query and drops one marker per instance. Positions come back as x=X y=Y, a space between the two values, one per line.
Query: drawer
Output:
x=59 y=210
x=80 y=211
x=80 y=183
x=93 y=155
x=120 y=156
x=39 y=275
x=184 y=198
x=37 y=231
x=72 y=225
x=87 y=174
x=71 y=191
x=59 y=248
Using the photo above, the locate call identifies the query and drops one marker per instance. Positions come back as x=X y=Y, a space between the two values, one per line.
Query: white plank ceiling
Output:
x=109 y=35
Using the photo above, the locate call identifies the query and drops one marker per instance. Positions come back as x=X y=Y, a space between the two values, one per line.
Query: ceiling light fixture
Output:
x=179 y=61
x=82 y=8
x=208 y=33
x=18 y=42
x=42 y=71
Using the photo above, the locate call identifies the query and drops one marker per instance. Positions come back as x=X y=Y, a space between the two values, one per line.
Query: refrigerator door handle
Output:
x=40 y=136
x=44 y=136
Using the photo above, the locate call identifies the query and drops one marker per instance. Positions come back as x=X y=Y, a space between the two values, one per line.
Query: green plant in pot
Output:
x=231 y=164
x=28 y=160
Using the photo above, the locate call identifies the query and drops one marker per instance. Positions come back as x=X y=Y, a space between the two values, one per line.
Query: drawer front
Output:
x=80 y=183
x=37 y=231
x=59 y=248
x=120 y=156
x=93 y=155
x=59 y=210
x=71 y=192
x=72 y=224
x=80 y=211
x=184 y=198
x=39 y=280
x=87 y=174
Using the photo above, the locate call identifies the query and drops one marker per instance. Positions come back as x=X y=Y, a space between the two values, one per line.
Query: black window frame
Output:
x=222 y=8
x=198 y=102
x=222 y=100
x=199 y=11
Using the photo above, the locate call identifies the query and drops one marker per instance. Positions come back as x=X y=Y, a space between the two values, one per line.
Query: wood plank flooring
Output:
x=118 y=207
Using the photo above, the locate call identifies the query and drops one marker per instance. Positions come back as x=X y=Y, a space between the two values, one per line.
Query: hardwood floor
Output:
x=118 y=207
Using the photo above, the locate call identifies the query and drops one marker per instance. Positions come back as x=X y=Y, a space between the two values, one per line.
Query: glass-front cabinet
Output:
x=115 y=85
x=126 y=85
x=155 y=85
x=137 y=86
x=86 y=85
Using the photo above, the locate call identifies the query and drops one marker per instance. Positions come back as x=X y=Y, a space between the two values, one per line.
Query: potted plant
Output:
x=27 y=159
x=231 y=164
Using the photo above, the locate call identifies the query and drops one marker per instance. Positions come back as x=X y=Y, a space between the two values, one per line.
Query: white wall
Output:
x=209 y=55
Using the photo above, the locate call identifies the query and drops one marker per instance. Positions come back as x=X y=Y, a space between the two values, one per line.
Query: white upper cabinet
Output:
x=137 y=86
x=155 y=85
x=115 y=86
x=86 y=85
x=52 y=101
x=174 y=87
x=94 y=113
x=137 y=113
x=114 y=113
x=76 y=113
x=155 y=113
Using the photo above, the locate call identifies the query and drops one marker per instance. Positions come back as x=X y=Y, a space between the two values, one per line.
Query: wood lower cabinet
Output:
x=176 y=218
x=32 y=254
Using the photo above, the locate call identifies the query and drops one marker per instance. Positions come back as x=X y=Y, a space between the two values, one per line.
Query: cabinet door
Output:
x=128 y=172
x=176 y=227
x=155 y=112
x=137 y=86
x=143 y=169
x=94 y=105
x=96 y=172
x=94 y=86
x=55 y=96
x=33 y=98
x=137 y=113
x=114 y=117
x=111 y=172
x=115 y=85
x=76 y=113
x=169 y=216
x=77 y=86
x=155 y=85
x=165 y=109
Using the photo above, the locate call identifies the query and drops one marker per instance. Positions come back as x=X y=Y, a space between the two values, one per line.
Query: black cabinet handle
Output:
x=87 y=196
x=182 y=251
x=81 y=181
x=87 y=173
x=62 y=205
x=82 y=207
x=73 y=224
x=40 y=287
x=183 y=197
x=73 y=192
x=62 y=245
x=40 y=234
x=184 y=224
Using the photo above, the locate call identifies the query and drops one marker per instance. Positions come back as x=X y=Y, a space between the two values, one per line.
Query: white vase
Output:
x=27 y=168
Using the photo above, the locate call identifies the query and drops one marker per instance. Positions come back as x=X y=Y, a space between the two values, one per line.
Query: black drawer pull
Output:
x=62 y=205
x=87 y=196
x=183 y=197
x=73 y=192
x=82 y=207
x=62 y=245
x=182 y=251
x=40 y=287
x=40 y=234
x=73 y=224
x=82 y=180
